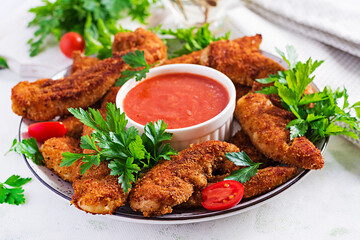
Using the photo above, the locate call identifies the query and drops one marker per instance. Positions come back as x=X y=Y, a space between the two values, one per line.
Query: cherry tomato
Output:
x=44 y=130
x=71 y=41
x=222 y=195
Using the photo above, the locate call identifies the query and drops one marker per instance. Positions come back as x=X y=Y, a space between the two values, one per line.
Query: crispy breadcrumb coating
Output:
x=239 y=59
x=171 y=183
x=267 y=179
x=81 y=62
x=52 y=150
x=265 y=124
x=73 y=126
x=45 y=99
x=243 y=142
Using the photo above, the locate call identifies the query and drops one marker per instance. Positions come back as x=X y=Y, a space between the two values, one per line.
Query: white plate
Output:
x=64 y=189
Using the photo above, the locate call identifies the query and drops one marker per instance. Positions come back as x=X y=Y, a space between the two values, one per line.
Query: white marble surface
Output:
x=324 y=205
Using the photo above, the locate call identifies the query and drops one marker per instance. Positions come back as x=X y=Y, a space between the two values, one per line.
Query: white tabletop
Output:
x=324 y=205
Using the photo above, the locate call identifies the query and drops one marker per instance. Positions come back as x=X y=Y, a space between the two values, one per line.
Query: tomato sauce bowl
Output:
x=217 y=127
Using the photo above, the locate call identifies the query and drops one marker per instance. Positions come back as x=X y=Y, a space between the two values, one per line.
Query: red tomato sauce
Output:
x=179 y=99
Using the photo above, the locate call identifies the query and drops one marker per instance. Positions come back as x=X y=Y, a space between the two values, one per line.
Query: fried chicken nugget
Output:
x=52 y=150
x=45 y=99
x=265 y=124
x=171 y=183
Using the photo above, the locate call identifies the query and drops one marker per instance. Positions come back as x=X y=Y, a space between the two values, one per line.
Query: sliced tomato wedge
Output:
x=44 y=130
x=222 y=195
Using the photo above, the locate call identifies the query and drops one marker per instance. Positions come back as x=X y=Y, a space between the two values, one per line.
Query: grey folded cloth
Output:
x=332 y=22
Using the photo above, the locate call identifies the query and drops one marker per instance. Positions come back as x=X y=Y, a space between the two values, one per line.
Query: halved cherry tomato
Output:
x=71 y=41
x=222 y=195
x=44 y=130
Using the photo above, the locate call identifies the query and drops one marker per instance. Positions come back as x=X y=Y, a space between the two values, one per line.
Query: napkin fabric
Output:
x=332 y=22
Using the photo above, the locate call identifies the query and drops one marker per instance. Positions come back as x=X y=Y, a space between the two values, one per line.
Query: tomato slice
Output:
x=71 y=41
x=44 y=130
x=222 y=195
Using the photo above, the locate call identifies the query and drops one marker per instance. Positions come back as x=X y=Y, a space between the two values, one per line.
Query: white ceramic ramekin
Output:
x=216 y=128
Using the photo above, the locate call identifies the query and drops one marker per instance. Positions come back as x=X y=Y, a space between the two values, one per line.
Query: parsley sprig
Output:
x=3 y=63
x=317 y=120
x=11 y=190
x=29 y=148
x=127 y=152
x=93 y=19
x=188 y=40
x=242 y=159
x=137 y=62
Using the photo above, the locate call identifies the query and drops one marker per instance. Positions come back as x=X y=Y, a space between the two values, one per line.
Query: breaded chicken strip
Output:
x=267 y=179
x=191 y=58
x=241 y=90
x=240 y=59
x=52 y=150
x=155 y=49
x=45 y=99
x=241 y=65
x=110 y=97
x=243 y=142
x=81 y=62
x=96 y=191
x=265 y=124
x=171 y=183
x=73 y=125
x=264 y=180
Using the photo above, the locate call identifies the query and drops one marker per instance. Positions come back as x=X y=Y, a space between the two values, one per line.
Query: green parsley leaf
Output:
x=70 y=158
x=135 y=60
x=242 y=159
x=188 y=40
x=93 y=19
x=13 y=193
x=153 y=137
x=16 y=181
x=29 y=148
x=124 y=171
x=318 y=120
x=127 y=153
x=3 y=63
x=298 y=128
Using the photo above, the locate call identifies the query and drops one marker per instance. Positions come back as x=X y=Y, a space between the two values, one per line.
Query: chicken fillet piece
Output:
x=264 y=180
x=52 y=150
x=267 y=179
x=73 y=126
x=239 y=59
x=243 y=142
x=81 y=62
x=171 y=183
x=265 y=124
x=96 y=191
x=45 y=99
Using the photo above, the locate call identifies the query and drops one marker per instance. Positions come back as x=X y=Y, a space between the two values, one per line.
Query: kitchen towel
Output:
x=332 y=22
